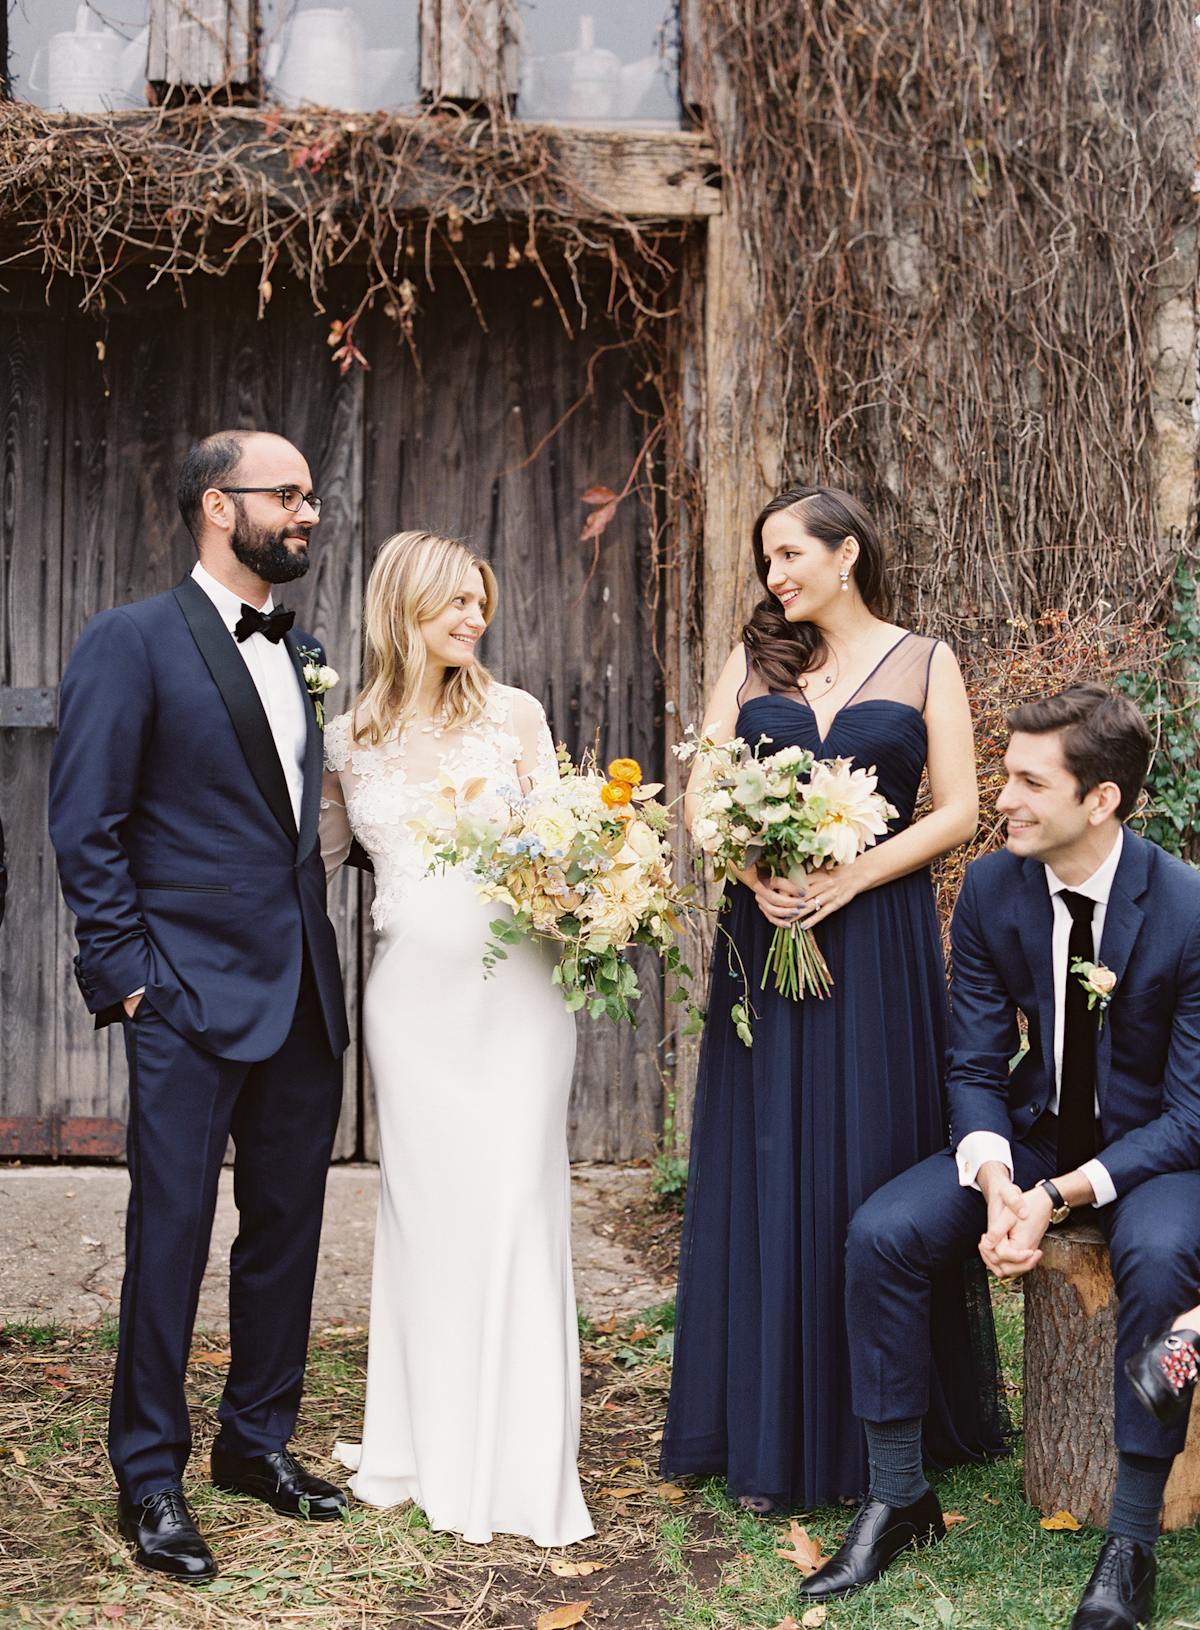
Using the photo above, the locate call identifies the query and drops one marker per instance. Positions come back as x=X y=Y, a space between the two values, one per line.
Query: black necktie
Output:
x=273 y=626
x=1077 y=1092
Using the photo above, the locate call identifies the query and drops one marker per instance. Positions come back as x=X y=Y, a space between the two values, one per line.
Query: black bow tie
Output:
x=272 y=626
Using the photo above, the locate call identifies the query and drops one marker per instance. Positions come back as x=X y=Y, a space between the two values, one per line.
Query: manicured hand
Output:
x=779 y=899
x=827 y=892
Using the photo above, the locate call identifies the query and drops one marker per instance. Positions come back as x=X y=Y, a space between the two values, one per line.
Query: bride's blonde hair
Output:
x=415 y=576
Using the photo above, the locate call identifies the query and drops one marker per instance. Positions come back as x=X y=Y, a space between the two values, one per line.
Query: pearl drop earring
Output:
x=844 y=574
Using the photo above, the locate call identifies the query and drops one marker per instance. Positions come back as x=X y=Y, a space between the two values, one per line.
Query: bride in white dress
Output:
x=472 y=1404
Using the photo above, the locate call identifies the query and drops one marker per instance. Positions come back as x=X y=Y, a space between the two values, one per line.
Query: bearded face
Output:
x=264 y=549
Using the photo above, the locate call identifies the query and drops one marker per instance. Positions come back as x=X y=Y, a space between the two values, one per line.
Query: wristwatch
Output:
x=1060 y=1210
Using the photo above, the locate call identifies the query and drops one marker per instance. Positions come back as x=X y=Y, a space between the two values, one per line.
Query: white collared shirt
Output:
x=276 y=681
x=978 y=1147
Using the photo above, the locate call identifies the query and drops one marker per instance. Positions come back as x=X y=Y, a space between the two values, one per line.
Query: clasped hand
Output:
x=1016 y=1222
x=784 y=903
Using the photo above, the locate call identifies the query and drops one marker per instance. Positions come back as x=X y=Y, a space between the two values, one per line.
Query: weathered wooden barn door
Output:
x=98 y=412
x=466 y=444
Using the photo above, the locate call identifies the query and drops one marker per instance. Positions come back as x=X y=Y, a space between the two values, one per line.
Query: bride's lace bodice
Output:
x=371 y=793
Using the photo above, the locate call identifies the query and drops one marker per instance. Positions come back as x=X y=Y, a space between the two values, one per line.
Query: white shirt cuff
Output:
x=1102 y=1183
x=977 y=1148
x=140 y=991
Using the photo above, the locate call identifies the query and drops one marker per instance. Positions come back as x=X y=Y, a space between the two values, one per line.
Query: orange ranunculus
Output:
x=616 y=792
x=627 y=770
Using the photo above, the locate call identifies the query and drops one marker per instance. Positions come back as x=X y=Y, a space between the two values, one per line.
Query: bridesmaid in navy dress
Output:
x=835 y=1096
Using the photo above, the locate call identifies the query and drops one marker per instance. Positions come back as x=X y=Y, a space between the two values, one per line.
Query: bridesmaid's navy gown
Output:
x=790 y=1136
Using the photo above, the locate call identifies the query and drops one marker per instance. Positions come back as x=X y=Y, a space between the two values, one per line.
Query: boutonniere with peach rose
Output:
x=1098 y=983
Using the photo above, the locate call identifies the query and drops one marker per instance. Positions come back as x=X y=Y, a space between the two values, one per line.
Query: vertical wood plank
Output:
x=31 y=394
x=202 y=42
x=322 y=414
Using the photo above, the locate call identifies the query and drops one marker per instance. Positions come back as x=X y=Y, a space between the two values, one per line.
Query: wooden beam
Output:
x=742 y=443
x=640 y=173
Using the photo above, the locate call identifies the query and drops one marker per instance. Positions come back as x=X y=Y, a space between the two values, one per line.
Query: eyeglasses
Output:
x=290 y=497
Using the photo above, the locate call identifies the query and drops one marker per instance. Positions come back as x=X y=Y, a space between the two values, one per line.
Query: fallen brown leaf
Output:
x=814 y=1616
x=805 y=1553
x=619 y=1493
x=574 y=1570
x=788 y=1623
x=991 y=1499
x=671 y=1491
x=607 y=1328
x=19 y=1457
x=950 y=1518
x=1061 y=1520
x=211 y=1358
x=563 y=1617
x=656 y=1437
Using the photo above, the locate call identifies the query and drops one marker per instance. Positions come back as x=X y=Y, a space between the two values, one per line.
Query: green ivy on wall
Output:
x=1170 y=811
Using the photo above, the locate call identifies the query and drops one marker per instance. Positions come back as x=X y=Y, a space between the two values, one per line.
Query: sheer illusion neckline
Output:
x=800 y=699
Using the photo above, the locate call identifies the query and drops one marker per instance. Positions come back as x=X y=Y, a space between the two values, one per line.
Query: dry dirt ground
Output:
x=62 y=1245
x=61 y=1563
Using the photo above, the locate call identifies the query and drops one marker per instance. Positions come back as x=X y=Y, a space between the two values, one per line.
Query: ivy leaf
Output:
x=598 y=495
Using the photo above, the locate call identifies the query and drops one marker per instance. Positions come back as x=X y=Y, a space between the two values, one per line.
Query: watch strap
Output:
x=1059 y=1207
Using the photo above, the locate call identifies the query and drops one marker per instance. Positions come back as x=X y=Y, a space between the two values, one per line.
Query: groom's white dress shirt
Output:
x=978 y=1147
x=275 y=679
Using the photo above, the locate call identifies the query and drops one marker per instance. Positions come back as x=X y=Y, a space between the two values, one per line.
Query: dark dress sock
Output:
x=1137 y=1503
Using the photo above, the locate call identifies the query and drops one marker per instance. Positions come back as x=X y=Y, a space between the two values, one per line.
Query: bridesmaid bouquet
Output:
x=792 y=813
x=583 y=861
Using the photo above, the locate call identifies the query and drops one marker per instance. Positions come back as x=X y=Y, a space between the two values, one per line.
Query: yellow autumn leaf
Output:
x=561 y=1618
x=671 y=1491
x=814 y=1616
x=1061 y=1520
x=575 y=1570
x=619 y=1493
x=805 y=1553
x=19 y=1457
x=952 y=1518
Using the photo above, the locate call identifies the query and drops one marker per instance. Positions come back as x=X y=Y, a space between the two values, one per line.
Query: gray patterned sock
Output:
x=1137 y=1501
x=894 y=1451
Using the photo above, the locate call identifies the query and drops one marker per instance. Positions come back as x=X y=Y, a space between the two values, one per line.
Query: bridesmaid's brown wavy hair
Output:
x=783 y=651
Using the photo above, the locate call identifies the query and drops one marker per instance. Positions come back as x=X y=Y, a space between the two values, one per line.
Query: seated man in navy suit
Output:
x=1093 y=934
x=184 y=798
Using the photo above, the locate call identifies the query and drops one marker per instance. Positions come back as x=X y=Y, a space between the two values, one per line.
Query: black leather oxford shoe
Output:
x=1164 y=1373
x=1120 y=1593
x=281 y=1481
x=876 y=1537
x=167 y=1540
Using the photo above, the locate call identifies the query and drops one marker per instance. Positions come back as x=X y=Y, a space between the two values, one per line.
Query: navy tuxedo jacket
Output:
x=1148 y=1053
x=177 y=844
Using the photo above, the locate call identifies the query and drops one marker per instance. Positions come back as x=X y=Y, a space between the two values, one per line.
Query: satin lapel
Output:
x=232 y=678
x=1037 y=942
x=1123 y=921
x=314 y=758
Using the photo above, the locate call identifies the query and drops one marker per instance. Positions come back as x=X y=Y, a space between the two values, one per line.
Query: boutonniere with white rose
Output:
x=318 y=678
x=1098 y=983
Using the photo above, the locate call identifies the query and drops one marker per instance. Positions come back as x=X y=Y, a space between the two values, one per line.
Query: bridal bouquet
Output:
x=792 y=813
x=583 y=861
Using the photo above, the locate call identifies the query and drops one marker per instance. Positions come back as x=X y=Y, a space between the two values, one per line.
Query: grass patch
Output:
x=674 y=1558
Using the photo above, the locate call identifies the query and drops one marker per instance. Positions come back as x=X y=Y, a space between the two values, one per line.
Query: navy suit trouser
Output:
x=183 y=1105
x=924 y=1220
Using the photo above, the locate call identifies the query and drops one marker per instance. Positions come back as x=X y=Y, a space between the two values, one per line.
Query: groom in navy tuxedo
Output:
x=1093 y=934
x=184 y=798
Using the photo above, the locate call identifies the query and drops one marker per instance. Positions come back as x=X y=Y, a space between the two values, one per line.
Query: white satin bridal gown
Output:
x=473 y=1371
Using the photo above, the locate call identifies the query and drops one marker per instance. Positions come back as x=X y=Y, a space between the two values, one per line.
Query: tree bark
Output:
x=1070 y=1334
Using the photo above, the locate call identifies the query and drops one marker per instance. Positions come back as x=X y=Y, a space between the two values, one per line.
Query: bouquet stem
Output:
x=798 y=964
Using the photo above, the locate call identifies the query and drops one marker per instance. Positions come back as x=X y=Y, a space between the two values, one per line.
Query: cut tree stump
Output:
x=1070 y=1335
